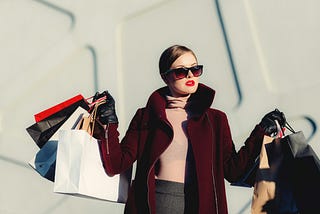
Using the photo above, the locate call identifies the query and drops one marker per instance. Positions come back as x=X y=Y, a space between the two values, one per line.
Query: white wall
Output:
x=258 y=55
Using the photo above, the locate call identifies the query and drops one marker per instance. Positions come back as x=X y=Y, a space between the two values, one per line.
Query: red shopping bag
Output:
x=54 y=109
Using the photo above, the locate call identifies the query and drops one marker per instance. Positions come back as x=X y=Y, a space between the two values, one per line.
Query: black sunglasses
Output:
x=180 y=73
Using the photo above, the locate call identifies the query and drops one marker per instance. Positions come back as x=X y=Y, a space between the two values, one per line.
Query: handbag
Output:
x=45 y=159
x=79 y=169
x=43 y=130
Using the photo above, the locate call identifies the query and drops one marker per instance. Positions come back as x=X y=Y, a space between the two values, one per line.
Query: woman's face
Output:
x=186 y=85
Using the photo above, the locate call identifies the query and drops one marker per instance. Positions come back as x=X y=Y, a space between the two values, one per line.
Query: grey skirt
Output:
x=174 y=197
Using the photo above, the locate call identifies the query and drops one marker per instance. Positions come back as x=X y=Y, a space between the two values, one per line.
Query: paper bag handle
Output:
x=92 y=118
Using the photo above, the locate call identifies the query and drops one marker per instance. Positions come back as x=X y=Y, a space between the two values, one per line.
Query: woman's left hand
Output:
x=268 y=122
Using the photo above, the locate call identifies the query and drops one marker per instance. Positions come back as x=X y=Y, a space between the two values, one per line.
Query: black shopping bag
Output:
x=303 y=172
x=44 y=129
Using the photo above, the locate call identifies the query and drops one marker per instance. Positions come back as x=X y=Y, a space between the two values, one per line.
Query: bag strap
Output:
x=93 y=103
x=90 y=120
x=289 y=127
x=93 y=115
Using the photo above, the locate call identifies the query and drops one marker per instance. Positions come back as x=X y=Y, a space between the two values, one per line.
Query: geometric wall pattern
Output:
x=258 y=55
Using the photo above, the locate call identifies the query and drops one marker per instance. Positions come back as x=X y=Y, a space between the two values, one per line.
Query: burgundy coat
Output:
x=150 y=133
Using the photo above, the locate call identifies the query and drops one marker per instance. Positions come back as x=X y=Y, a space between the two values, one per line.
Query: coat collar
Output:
x=200 y=101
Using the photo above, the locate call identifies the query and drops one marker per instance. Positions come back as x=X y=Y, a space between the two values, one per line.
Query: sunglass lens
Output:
x=180 y=73
x=196 y=70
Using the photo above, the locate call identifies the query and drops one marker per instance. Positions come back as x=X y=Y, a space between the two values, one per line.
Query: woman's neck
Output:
x=177 y=102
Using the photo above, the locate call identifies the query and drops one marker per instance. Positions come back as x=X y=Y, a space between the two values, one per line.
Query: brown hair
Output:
x=170 y=55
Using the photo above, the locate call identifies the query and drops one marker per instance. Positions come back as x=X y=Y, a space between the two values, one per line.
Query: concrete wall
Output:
x=258 y=55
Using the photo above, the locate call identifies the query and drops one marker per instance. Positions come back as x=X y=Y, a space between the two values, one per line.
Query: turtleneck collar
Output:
x=198 y=102
x=176 y=102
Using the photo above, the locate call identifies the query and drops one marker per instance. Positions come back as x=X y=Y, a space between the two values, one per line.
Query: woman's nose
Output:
x=190 y=74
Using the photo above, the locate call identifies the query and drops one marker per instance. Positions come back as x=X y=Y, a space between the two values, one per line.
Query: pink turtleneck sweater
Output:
x=172 y=162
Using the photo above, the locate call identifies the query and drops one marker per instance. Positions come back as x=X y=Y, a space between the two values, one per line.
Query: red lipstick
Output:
x=190 y=83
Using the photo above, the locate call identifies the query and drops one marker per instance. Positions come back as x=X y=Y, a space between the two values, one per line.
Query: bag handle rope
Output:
x=93 y=114
x=289 y=127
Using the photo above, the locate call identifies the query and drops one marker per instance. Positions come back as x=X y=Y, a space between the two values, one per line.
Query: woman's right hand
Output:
x=106 y=112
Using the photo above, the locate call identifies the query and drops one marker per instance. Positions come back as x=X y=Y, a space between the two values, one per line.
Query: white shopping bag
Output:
x=79 y=169
x=45 y=159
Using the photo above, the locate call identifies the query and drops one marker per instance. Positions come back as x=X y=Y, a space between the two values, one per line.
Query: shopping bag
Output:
x=291 y=184
x=272 y=189
x=45 y=159
x=54 y=109
x=44 y=162
x=302 y=170
x=43 y=130
x=79 y=169
x=265 y=186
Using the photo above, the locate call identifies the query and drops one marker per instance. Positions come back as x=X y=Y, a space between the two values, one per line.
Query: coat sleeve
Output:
x=236 y=163
x=117 y=157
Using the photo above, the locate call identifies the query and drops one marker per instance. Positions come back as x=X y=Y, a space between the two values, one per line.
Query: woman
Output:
x=183 y=148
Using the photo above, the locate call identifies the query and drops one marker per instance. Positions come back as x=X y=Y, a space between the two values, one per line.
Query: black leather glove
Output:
x=268 y=122
x=106 y=112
